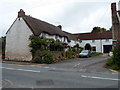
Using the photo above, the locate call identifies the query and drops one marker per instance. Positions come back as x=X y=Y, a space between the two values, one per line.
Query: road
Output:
x=54 y=76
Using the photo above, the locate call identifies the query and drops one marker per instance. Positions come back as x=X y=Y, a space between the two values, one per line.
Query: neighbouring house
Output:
x=115 y=23
x=98 y=42
x=17 y=36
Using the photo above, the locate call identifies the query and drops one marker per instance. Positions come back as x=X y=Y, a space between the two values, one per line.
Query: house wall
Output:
x=17 y=41
x=73 y=43
x=97 y=43
x=54 y=37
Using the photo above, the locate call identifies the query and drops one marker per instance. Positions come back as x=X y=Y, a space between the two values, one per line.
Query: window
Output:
x=80 y=41
x=64 y=39
x=107 y=40
x=43 y=34
x=56 y=37
x=93 y=48
x=93 y=41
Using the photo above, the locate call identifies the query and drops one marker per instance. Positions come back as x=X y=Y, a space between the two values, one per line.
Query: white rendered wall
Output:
x=73 y=43
x=119 y=5
x=17 y=41
x=98 y=44
x=53 y=37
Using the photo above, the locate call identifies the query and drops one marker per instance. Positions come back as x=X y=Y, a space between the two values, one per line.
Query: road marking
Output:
x=46 y=67
x=114 y=73
x=100 y=78
x=24 y=64
x=20 y=69
x=53 y=68
x=76 y=65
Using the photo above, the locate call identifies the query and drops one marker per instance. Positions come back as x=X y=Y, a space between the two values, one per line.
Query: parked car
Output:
x=85 y=53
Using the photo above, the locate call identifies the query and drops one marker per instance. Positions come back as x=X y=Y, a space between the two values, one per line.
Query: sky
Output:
x=75 y=16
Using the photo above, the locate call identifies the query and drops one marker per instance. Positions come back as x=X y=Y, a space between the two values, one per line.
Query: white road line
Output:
x=100 y=78
x=76 y=65
x=20 y=69
x=46 y=67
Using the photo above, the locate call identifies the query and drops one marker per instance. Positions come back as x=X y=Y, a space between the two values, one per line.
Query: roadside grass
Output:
x=114 y=61
x=112 y=65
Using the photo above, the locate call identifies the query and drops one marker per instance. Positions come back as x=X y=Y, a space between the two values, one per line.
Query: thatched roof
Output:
x=38 y=26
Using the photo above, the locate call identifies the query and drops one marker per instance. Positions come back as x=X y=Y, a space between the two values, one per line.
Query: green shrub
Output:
x=48 y=58
x=45 y=58
x=110 y=62
x=69 y=54
x=115 y=67
x=62 y=54
x=96 y=53
x=38 y=59
x=116 y=55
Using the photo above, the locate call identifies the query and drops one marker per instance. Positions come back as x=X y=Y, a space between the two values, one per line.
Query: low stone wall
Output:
x=55 y=54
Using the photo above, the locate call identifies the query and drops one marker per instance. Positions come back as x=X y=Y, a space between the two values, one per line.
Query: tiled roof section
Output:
x=93 y=36
x=38 y=26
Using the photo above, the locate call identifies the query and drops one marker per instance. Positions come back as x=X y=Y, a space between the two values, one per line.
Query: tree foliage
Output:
x=116 y=55
x=114 y=62
x=43 y=44
x=98 y=29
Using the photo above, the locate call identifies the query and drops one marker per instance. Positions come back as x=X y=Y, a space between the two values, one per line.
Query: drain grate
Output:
x=44 y=82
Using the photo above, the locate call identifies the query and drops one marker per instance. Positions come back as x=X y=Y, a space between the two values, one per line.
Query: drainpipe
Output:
x=101 y=45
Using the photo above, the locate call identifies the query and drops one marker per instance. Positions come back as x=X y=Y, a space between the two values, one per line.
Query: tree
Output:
x=98 y=29
x=110 y=29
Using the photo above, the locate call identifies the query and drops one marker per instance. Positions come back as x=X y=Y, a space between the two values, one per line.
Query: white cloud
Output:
x=74 y=15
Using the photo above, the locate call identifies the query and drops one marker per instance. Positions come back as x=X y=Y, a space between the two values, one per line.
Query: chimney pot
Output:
x=60 y=26
x=113 y=7
x=21 y=13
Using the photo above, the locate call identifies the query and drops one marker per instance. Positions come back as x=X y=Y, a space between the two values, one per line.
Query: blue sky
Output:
x=75 y=16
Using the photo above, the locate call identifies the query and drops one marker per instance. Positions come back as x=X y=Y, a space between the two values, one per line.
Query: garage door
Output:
x=107 y=48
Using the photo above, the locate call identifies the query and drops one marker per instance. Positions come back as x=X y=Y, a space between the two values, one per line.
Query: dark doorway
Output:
x=87 y=46
x=107 y=48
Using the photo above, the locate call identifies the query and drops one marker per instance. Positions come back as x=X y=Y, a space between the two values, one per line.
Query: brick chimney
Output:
x=113 y=7
x=115 y=23
x=60 y=26
x=21 y=13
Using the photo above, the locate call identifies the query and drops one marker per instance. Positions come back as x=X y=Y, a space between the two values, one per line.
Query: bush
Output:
x=96 y=53
x=110 y=62
x=116 y=55
x=38 y=59
x=115 y=67
x=69 y=54
x=114 y=61
x=46 y=58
